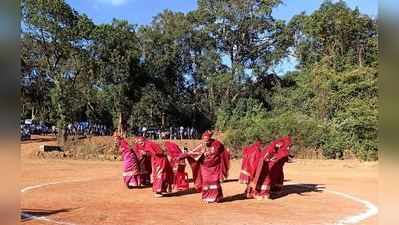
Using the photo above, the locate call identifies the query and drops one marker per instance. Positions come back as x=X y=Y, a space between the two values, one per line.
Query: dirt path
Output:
x=92 y=192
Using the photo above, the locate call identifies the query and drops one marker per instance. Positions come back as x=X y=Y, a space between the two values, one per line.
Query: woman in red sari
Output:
x=269 y=175
x=250 y=160
x=278 y=158
x=206 y=162
x=144 y=159
x=162 y=174
x=180 y=177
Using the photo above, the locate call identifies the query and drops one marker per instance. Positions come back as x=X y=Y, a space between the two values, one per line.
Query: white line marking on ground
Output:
x=372 y=210
x=51 y=183
x=43 y=218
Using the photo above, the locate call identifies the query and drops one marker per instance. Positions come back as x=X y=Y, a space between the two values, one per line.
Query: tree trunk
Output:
x=122 y=125
x=61 y=137
x=163 y=120
x=232 y=63
x=33 y=112
x=360 y=55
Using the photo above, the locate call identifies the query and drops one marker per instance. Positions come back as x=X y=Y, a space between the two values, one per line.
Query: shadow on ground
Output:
x=288 y=189
x=181 y=193
x=299 y=189
x=28 y=214
x=236 y=197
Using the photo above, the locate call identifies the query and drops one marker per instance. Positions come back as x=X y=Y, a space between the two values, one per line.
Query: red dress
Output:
x=248 y=162
x=276 y=164
x=162 y=173
x=180 y=177
x=211 y=170
x=208 y=169
x=269 y=174
x=144 y=159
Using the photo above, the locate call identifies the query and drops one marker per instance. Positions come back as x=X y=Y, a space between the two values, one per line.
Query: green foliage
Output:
x=337 y=34
x=209 y=68
x=326 y=110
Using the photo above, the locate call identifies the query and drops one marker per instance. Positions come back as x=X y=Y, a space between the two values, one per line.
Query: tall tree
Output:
x=60 y=34
x=246 y=33
x=337 y=34
x=117 y=54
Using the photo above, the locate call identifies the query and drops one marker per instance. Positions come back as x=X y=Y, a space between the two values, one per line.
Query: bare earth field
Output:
x=92 y=192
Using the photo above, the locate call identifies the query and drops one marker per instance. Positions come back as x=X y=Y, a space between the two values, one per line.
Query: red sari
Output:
x=180 y=177
x=249 y=162
x=208 y=168
x=269 y=175
x=144 y=159
x=251 y=156
x=161 y=170
x=225 y=164
x=276 y=164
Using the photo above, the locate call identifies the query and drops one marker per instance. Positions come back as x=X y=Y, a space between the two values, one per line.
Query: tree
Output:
x=60 y=34
x=336 y=34
x=246 y=33
x=117 y=54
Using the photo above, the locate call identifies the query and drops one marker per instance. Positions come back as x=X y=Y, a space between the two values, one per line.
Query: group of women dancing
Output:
x=163 y=165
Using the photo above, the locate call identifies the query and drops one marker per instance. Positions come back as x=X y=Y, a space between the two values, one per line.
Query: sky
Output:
x=141 y=12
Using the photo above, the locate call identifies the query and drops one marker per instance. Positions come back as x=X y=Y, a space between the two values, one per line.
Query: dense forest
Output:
x=211 y=68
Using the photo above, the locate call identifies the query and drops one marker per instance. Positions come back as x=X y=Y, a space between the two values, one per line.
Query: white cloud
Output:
x=114 y=2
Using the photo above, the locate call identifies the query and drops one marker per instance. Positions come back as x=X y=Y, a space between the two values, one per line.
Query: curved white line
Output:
x=52 y=183
x=40 y=185
x=43 y=218
x=372 y=210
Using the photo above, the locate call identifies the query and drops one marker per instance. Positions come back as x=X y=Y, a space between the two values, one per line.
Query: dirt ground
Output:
x=92 y=192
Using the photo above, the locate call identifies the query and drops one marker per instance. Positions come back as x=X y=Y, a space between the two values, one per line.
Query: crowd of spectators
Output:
x=87 y=128
x=72 y=129
x=168 y=133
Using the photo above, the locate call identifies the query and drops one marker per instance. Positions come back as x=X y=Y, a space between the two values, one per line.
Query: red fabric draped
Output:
x=144 y=159
x=195 y=168
x=173 y=149
x=162 y=173
x=131 y=168
x=194 y=157
x=225 y=164
x=209 y=164
x=211 y=171
x=269 y=175
x=244 y=174
x=249 y=162
x=180 y=177
x=276 y=164
x=212 y=162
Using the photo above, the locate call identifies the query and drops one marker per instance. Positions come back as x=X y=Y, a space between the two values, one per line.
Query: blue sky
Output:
x=141 y=12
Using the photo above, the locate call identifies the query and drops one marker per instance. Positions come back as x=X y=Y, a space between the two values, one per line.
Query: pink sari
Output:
x=131 y=169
